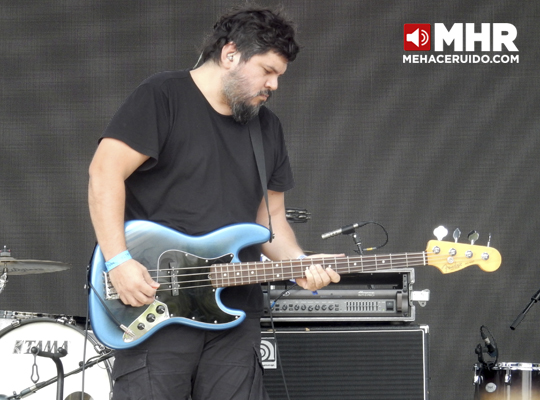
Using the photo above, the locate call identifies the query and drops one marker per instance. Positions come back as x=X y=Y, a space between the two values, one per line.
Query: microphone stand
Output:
x=520 y=317
x=357 y=242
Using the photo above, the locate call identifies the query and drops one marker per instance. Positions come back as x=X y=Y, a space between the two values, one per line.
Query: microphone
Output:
x=490 y=348
x=344 y=230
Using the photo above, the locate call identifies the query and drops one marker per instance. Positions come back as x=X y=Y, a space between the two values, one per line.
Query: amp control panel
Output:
x=377 y=296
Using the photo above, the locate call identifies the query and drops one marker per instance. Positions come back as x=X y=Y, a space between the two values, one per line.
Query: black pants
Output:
x=181 y=363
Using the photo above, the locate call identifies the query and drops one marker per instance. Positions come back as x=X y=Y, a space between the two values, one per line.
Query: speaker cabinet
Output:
x=368 y=363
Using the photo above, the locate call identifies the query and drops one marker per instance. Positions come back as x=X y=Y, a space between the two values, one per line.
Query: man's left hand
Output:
x=317 y=277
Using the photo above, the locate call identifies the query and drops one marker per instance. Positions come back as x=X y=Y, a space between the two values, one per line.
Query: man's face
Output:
x=247 y=86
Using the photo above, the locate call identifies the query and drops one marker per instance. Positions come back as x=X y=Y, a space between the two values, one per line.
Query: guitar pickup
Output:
x=173 y=268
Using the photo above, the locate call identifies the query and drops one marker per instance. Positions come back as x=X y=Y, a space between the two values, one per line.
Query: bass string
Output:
x=259 y=269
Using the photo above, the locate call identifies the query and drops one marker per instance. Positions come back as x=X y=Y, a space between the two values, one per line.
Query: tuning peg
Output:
x=440 y=232
x=456 y=235
x=473 y=236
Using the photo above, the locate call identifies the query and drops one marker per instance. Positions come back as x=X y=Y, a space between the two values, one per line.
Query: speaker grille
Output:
x=371 y=364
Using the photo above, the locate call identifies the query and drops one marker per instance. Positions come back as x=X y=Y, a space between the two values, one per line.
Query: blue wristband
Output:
x=117 y=260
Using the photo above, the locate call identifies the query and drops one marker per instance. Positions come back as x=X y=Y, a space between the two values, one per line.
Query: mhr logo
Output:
x=492 y=37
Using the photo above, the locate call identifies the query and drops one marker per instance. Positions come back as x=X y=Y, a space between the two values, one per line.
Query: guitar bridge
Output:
x=110 y=291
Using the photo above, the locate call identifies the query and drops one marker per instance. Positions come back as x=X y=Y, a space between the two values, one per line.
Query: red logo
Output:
x=417 y=37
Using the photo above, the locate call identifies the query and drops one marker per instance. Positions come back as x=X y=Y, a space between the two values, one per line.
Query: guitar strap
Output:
x=254 y=128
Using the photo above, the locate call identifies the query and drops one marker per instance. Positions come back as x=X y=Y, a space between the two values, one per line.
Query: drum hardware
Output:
x=489 y=347
x=503 y=381
x=56 y=356
x=15 y=318
x=507 y=381
x=3 y=280
x=74 y=396
x=520 y=317
x=49 y=335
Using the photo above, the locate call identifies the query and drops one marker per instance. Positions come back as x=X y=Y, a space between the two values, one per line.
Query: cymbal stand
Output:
x=3 y=280
x=4 y=277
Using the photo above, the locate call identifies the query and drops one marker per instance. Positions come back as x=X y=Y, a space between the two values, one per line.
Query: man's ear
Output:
x=229 y=55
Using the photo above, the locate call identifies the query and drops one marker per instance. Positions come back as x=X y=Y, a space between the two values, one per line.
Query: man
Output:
x=178 y=153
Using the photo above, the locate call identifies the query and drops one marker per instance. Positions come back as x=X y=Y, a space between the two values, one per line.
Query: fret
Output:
x=330 y=265
x=234 y=273
x=273 y=271
x=229 y=274
x=243 y=274
x=221 y=281
x=252 y=274
x=225 y=274
x=290 y=269
x=355 y=265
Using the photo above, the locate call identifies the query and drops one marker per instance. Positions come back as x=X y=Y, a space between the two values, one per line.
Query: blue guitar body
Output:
x=181 y=264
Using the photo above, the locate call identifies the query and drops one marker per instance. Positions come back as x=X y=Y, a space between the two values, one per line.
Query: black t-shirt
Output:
x=202 y=173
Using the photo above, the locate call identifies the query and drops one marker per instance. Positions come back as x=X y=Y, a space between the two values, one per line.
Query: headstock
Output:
x=450 y=257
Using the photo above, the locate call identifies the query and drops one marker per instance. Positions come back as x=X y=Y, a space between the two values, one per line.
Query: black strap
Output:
x=255 y=134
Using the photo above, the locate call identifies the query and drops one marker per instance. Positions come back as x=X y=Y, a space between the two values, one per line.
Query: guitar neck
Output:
x=235 y=274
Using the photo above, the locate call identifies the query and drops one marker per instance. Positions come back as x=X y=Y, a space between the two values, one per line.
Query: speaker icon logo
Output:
x=268 y=353
x=417 y=37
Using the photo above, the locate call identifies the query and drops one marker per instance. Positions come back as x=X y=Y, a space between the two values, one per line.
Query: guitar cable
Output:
x=86 y=328
x=272 y=325
x=89 y=287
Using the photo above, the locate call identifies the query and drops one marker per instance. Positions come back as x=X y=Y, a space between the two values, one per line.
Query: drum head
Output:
x=16 y=360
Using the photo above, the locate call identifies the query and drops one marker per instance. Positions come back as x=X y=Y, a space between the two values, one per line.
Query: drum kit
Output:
x=495 y=380
x=48 y=356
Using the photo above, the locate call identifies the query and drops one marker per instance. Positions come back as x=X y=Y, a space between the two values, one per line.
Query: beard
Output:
x=239 y=99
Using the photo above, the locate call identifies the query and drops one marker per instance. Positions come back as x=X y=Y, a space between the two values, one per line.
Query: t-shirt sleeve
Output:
x=281 y=178
x=142 y=121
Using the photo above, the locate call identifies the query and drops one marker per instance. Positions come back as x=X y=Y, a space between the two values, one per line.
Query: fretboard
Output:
x=235 y=274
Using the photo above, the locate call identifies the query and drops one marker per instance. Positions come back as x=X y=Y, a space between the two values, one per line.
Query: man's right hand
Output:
x=133 y=283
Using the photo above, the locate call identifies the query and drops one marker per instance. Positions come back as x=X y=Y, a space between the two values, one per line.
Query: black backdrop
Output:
x=411 y=146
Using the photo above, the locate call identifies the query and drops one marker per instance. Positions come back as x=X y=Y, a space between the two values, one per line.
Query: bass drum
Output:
x=17 y=361
x=507 y=381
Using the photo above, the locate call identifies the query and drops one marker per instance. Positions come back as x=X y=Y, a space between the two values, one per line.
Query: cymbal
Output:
x=29 y=267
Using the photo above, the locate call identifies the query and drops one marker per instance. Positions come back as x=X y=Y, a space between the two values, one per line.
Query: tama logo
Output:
x=460 y=37
x=51 y=346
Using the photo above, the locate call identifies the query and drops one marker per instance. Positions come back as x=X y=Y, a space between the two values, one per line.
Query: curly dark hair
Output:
x=254 y=31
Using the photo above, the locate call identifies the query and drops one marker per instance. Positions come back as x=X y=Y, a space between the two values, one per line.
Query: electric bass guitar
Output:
x=193 y=270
